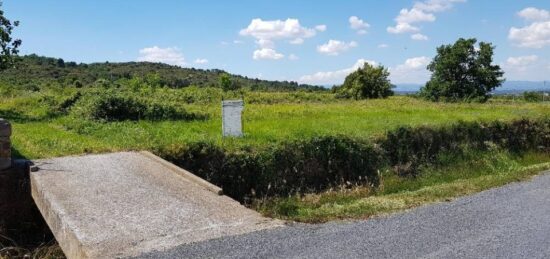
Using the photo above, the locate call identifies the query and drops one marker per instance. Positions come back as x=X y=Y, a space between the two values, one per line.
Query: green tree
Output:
x=368 y=82
x=227 y=84
x=462 y=72
x=7 y=43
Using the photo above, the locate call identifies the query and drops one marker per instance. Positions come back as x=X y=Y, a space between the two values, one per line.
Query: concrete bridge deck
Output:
x=133 y=203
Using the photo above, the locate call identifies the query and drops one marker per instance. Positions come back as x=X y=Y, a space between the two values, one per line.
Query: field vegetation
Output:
x=308 y=154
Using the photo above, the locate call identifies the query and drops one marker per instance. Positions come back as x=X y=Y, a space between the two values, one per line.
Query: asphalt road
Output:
x=508 y=222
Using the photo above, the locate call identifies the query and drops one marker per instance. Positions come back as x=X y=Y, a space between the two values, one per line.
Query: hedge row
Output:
x=407 y=148
x=322 y=162
x=121 y=106
x=301 y=166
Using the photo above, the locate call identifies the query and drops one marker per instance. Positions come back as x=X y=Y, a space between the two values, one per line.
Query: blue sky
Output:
x=316 y=42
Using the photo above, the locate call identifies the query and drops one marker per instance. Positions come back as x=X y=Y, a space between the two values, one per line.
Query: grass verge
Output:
x=440 y=182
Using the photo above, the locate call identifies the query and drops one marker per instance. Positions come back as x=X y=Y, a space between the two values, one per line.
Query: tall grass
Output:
x=42 y=131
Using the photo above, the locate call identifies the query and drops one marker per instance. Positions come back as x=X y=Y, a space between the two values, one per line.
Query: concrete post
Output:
x=5 y=144
x=232 y=125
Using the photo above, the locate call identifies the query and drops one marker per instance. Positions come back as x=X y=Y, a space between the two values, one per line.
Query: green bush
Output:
x=408 y=148
x=111 y=106
x=293 y=167
x=533 y=96
x=320 y=163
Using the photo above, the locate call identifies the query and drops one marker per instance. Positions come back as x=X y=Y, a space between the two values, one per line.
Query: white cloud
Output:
x=293 y=57
x=238 y=42
x=534 y=14
x=402 y=28
x=413 y=16
x=435 y=6
x=321 y=27
x=419 y=36
x=201 y=61
x=529 y=67
x=171 y=56
x=333 y=77
x=520 y=65
x=267 y=54
x=269 y=31
x=420 y=12
x=522 y=60
x=358 y=25
x=537 y=34
x=383 y=46
x=335 y=47
x=412 y=71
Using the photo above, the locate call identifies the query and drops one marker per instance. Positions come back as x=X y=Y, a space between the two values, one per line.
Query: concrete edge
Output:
x=67 y=239
x=186 y=174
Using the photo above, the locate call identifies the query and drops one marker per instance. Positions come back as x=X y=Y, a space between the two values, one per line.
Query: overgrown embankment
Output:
x=320 y=163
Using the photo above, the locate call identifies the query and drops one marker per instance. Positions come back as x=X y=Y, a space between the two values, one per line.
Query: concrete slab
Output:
x=127 y=204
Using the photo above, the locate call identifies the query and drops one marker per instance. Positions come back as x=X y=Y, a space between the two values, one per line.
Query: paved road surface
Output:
x=508 y=222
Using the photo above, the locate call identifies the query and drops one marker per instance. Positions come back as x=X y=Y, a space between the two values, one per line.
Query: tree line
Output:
x=462 y=71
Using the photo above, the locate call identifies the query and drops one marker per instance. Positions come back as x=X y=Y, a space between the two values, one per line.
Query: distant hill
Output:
x=507 y=87
x=34 y=72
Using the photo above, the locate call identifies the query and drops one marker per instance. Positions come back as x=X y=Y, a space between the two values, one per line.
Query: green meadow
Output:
x=268 y=118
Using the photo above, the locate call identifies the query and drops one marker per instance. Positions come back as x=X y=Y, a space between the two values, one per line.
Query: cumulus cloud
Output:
x=335 y=47
x=413 y=16
x=534 y=14
x=402 y=28
x=383 y=46
x=535 y=35
x=519 y=65
x=420 y=12
x=412 y=71
x=321 y=27
x=201 y=61
x=529 y=67
x=171 y=56
x=267 y=33
x=522 y=61
x=267 y=54
x=358 y=25
x=333 y=77
x=419 y=36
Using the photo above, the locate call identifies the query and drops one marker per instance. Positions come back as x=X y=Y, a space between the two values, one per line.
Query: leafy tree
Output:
x=227 y=84
x=368 y=82
x=9 y=46
x=462 y=72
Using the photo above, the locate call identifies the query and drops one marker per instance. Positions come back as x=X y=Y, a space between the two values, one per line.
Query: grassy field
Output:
x=40 y=130
x=39 y=134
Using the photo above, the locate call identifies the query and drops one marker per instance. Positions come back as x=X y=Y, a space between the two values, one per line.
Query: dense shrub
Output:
x=300 y=166
x=367 y=82
x=110 y=106
x=531 y=96
x=320 y=163
x=407 y=148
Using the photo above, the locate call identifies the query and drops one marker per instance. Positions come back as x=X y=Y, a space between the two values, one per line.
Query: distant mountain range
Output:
x=507 y=87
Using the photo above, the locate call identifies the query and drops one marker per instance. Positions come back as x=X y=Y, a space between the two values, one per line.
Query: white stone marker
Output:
x=232 y=124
